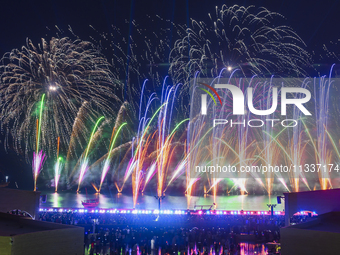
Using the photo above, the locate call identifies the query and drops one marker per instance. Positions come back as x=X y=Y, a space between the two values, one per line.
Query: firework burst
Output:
x=238 y=37
x=68 y=73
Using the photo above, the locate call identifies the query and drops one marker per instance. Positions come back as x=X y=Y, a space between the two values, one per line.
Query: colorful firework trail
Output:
x=323 y=153
x=57 y=167
x=38 y=157
x=39 y=121
x=85 y=161
x=135 y=167
x=164 y=144
x=108 y=159
x=162 y=139
x=57 y=171
x=37 y=164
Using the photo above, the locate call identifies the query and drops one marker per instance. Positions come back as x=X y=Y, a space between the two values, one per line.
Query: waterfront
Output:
x=120 y=201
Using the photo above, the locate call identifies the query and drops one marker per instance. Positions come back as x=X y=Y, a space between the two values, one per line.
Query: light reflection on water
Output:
x=233 y=202
x=245 y=249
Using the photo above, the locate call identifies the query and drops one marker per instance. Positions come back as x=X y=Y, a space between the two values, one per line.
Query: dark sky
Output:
x=316 y=22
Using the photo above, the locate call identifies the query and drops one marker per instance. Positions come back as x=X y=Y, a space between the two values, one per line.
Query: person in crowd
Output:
x=119 y=233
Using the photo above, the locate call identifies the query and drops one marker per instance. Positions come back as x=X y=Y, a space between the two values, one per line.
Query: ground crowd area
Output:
x=172 y=234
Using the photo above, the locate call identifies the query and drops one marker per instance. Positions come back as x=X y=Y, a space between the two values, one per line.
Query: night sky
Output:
x=316 y=22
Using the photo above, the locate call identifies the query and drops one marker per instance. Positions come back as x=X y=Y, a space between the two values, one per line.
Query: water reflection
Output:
x=241 y=249
x=56 y=200
x=247 y=249
x=233 y=202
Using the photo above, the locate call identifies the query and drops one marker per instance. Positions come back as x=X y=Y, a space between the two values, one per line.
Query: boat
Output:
x=90 y=203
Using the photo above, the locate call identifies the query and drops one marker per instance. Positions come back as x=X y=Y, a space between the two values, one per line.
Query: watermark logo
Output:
x=239 y=99
x=263 y=128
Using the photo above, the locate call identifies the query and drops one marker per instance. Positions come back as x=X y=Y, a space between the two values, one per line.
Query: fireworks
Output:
x=57 y=172
x=241 y=38
x=68 y=73
x=75 y=85
x=37 y=163
x=269 y=145
x=38 y=157
x=84 y=164
x=108 y=159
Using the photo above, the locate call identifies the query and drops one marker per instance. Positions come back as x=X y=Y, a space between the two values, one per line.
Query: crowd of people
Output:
x=107 y=233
